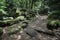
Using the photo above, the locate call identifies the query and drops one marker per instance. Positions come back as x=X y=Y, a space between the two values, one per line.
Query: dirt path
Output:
x=36 y=30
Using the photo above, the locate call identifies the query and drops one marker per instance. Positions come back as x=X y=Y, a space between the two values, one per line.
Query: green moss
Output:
x=13 y=29
x=53 y=24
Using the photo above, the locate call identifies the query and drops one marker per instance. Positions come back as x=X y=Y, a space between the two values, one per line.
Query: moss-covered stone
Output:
x=13 y=29
x=53 y=24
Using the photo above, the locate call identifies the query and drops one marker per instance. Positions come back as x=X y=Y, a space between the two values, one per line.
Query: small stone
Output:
x=19 y=37
x=21 y=31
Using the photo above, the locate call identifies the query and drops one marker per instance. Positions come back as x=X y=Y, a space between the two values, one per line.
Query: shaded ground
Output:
x=36 y=30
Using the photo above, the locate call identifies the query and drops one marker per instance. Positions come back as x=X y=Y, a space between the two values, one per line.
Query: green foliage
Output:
x=2 y=4
x=1 y=30
x=54 y=12
x=15 y=11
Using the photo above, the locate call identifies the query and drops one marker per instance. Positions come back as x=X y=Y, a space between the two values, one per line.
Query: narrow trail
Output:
x=36 y=30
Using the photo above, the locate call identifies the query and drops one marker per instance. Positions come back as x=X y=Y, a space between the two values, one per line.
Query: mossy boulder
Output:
x=53 y=24
x=13 y=29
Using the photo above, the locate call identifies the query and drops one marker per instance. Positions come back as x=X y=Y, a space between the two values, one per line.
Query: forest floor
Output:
x=36 y=30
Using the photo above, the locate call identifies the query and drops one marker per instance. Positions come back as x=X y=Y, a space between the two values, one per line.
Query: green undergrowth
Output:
x=53 y=13
x=16 y=14
x=13 y=29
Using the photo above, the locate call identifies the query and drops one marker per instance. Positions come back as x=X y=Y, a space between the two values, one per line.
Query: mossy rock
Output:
x=13 y=29
x=53 y=24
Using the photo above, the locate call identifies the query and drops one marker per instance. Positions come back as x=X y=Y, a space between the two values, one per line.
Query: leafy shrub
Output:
x=54 y=15
x=13 y=12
